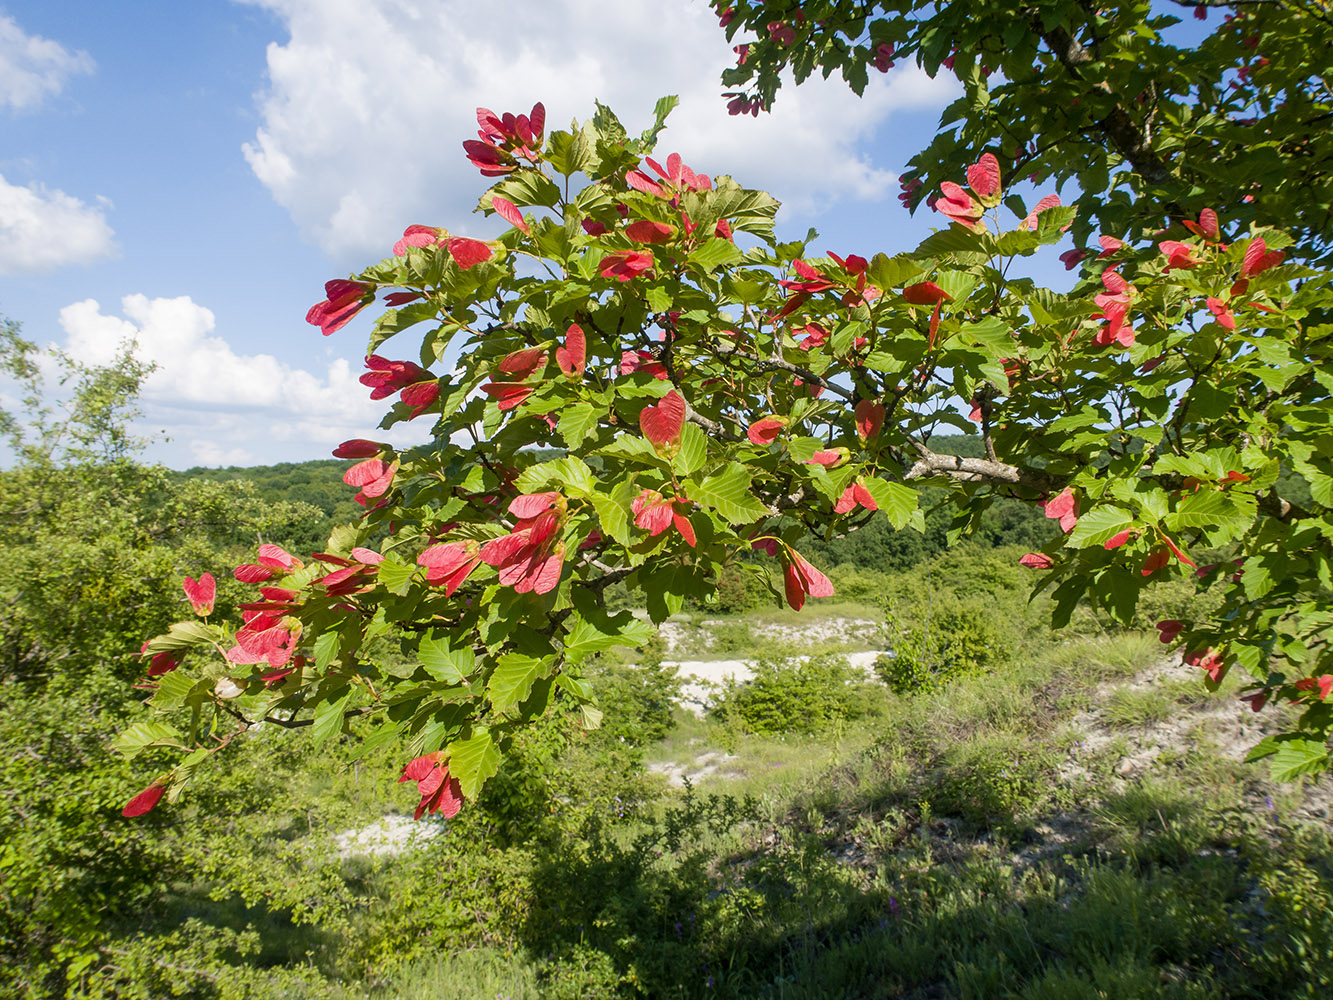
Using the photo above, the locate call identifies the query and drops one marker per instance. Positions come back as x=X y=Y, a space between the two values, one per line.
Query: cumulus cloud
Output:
x=369 y=100
x=42 y=229
x=33 y=68
x=231 y=408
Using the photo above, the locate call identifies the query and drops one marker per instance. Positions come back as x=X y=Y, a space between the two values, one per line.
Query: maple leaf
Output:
x=508 y=211
x=145 y=801
x=800 y=579
x=869 y=416
x=343 y=300
x=572 y=355
x=661 y=424
x=201 y=594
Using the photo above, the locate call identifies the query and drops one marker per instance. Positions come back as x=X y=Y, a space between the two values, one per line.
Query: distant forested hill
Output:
x=876 y=546
x=318 y=483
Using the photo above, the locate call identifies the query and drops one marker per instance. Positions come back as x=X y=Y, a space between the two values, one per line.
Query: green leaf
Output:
x=693 y=451
x=396 y=576
x=512 y=680
x=397 y=320
x=1295 y=757
x=665 y=588
x=1210 y=509
x=890 y=272
x=613 y=511
x=443 y=662
x=587 y=637
x=183 y=635
x=715 y=253
x=728 y=493
x=329 y=715
x=898 y=502
x=1052 y=220
x=571 y=152
x=991 y=332
x=173 y=689
x=632 y=447
x=327 y=648
x=570 y=475
x=956 y=239
x=528 y=187
x=659 y=299
x=143 y=735
x=748 y=211
x=1099 y=525
x=1018 y=242
x=575 y=423
x=473 y=760
x=592 y=716
x=661 y=109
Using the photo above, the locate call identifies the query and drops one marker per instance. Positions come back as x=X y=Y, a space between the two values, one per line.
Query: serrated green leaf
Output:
x=327 y=648
x=575 y=423
x=473 y=760
x=661 y=109
x=385 y=735
x=613 y=511
x=529 y=187
x=890 y=272
x=397 y=320
x=1018 y=242
x=592 y=716
x=1210 y=509
x=173 y=689
x=956 y=239
x=632 y=447
x=396 y=576
x=991 y=332
x=143 y=735
x=715 y=253
x=184 y=635
x=659 y=299
x=329 y=715
x=1299 y=756
x=897 y=501
x=693 y=451
x=1099 y=525
x=587 y=637
x=728 y=493
x=443 y=662
x=511 y=682
x=570 y=475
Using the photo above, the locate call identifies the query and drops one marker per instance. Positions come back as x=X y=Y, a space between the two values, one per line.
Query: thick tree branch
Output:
x=978 y=470
x=1128 y=139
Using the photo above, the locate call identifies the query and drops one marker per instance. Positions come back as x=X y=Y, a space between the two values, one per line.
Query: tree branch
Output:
x=978 y=470
x=777 y=364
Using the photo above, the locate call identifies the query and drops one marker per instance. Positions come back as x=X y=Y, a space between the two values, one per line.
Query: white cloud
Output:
x=42 y=229
x=33 y=68
x=369 y=101
x=230 y=407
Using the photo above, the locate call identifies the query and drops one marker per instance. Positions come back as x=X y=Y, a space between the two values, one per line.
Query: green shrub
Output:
x=943 y=637
x=741 y=588
x=792 y=696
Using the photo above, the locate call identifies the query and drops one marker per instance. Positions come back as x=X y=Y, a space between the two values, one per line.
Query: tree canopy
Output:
x=718 y=393
x=1150 y=119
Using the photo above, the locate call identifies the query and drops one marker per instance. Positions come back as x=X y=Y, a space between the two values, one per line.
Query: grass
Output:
x=973 y=842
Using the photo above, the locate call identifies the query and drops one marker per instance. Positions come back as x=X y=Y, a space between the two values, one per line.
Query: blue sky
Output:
x=189 y=174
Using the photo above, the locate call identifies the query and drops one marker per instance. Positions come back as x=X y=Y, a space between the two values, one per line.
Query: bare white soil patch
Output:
x=703 y=678
x=391 y=834
x=853 y=631
x=705 y=765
